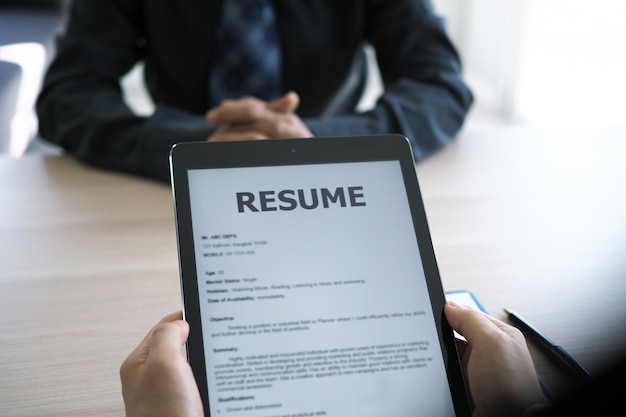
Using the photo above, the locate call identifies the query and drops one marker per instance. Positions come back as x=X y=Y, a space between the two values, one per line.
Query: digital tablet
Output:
x=310 y=282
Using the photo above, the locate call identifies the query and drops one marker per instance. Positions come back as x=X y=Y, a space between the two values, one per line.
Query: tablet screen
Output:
x=312 y=295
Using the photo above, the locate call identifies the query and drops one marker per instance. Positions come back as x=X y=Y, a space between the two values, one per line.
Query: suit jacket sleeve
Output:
x=81 y=106
x=425 y=97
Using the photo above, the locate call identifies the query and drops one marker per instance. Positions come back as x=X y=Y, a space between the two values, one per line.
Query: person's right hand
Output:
x=498 y=368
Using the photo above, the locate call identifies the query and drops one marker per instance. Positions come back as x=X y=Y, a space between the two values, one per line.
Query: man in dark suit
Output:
x=81 y=107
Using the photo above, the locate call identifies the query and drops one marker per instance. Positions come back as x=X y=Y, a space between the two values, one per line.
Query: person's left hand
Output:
x=252 y=118
x=156 y=379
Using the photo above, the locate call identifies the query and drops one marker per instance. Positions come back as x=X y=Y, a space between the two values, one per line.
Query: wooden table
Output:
x=535 y=221
x=531 y=220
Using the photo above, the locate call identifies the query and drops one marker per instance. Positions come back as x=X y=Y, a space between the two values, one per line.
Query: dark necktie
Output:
x=247 y=59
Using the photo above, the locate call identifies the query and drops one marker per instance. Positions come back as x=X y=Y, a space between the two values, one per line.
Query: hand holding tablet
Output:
x=309 y=280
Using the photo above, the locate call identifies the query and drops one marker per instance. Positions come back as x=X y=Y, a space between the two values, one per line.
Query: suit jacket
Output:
x=81 y=107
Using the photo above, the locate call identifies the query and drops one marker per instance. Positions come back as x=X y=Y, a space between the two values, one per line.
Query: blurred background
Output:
x=552 y=63
x=548 y=63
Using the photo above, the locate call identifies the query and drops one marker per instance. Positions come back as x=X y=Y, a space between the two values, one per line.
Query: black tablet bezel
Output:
x=204 y=155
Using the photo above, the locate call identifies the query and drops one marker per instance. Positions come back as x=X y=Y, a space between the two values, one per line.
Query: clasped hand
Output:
x=250 y=118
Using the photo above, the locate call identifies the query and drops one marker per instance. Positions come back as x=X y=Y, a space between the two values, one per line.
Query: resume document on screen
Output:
x=312 y=293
